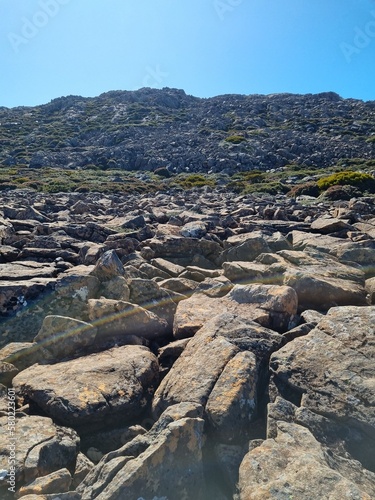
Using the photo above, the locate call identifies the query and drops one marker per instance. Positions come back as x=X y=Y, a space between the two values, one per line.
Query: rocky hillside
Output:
x=148 y=129
x=187 y=345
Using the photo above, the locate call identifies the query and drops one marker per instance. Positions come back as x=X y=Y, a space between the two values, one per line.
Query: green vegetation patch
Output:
x=194 y=180
x=364 y=182
x=235 y=139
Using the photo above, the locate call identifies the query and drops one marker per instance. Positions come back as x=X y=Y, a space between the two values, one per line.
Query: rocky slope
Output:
x=186 y=345
x=149 y=128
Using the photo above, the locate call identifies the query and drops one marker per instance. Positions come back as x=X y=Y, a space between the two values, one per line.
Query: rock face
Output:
x=187 y=345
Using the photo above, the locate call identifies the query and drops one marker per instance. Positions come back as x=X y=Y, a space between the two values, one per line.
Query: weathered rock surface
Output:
x=103 y=388
x=116 y=319
x=271 y=306
x=165 y=462
x=204 y=361
x=330 y=372
x=42 y=448
x=86 y=337
x=62 y=337
x=295 y=465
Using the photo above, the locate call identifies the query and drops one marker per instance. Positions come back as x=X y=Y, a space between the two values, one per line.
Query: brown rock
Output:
x=295 y=465
x=103 y=387
x=56 y=482
x=42 y=448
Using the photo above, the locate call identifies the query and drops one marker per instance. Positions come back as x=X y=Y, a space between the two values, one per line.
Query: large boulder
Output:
x=149 y=295
x=330 y=372
x=270 y=305
x=244 y=247
x=232 y=403
x=61 y=337
x=361 y=252
x=108 y=266
x=164 y=463
x=321 y=281
x=103 y=388
x=295 y=465
x=56 y=482
x=213 y=357
x=179 y=247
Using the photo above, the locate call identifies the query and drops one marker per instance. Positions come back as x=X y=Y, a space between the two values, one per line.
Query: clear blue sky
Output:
x=51 y=48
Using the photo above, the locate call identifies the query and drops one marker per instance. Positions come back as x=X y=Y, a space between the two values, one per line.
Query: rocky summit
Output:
x=150 y=128
x=192 y=342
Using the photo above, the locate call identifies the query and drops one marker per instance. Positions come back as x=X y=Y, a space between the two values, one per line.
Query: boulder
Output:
x=108 y=266
x=164 y=463
x=194 y=229
x=62 y=337
x=179 y=285
x=173 y=270
x=83 y=467
x=171 y=247
x=295 y=465
x=26 y=270
x=119 y=319
x=331 y=372
x=327 y=225
x=7 y=373
x=194 y=374
x=272 y=306
x=116 y=289
x=149 y=295
x=56 y=482
x=361 y=252
x=42 y=448
x=244 y=247
x=103 y=388
x=232 y=403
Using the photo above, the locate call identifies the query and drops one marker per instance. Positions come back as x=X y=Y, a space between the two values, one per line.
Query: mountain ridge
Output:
x=150 y=128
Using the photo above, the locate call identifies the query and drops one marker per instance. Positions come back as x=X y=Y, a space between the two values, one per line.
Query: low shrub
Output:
x=235 y=139
x=195 y=180
x=307 y=189
x=364 y=182
x=162 y=172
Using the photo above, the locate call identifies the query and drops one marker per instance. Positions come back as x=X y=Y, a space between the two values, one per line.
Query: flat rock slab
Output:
x=296 y=465
x=26 y=270
x=328 y=225
x=93 y=390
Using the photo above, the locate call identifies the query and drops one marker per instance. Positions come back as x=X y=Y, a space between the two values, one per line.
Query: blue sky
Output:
x=51 y=48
